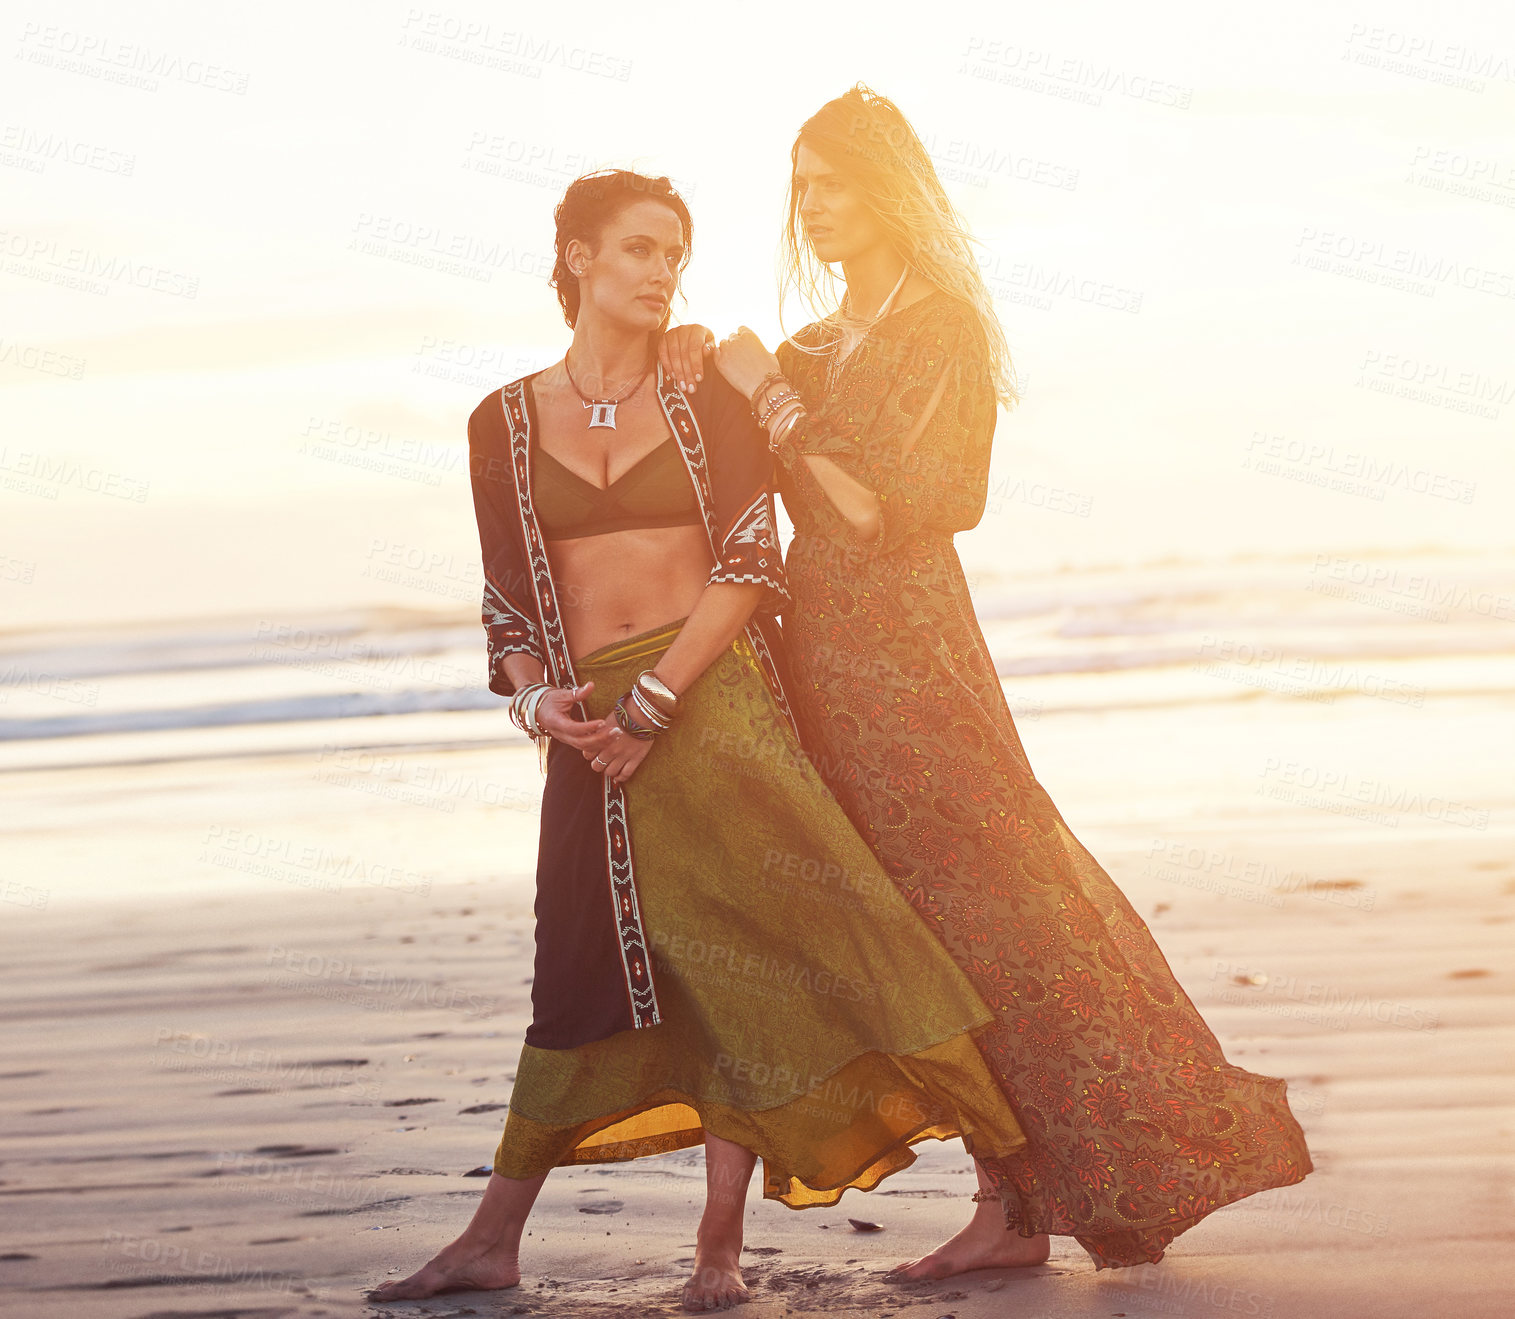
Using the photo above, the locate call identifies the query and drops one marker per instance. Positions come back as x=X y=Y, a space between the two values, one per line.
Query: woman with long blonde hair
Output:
x=881 y=415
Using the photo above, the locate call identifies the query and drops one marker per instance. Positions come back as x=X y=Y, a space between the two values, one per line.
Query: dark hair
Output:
x=590 y=203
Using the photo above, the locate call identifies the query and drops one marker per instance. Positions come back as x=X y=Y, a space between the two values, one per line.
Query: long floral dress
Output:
x=1137 y=1125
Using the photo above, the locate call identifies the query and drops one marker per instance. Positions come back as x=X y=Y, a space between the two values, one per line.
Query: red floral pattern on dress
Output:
x=1138 y=1125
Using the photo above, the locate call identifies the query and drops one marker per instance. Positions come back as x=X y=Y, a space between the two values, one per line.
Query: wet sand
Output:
x=245 y=1078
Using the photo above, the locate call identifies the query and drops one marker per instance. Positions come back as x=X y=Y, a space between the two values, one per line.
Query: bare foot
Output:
x=716 y=1282
x=983 y=1244
x=462 y=1266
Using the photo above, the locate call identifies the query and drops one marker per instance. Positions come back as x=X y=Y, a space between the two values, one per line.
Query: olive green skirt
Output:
x=807 y=1012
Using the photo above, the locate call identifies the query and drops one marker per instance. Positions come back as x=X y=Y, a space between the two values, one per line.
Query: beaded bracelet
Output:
x=771 y=406
x=771 y=391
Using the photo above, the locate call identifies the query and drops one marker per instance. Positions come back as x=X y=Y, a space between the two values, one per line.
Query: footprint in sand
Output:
x=294 y=1151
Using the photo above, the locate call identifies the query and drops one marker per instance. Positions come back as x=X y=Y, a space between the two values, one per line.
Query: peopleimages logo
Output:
x=507 y=49
x=98 y=55
x=1292 y=777
x=1332 y=1004
x=42 y=258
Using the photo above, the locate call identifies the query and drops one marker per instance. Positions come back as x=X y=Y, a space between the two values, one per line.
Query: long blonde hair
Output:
x=865 y=139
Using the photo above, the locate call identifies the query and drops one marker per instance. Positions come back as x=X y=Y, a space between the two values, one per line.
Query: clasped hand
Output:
x=607 y=747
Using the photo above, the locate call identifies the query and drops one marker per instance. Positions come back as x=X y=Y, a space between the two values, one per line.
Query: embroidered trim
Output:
x=505 y=624
x=628 y=912
x=635 y=964
x=692 y=445
x=559 y=665
x=758 y=579
x=753 y=526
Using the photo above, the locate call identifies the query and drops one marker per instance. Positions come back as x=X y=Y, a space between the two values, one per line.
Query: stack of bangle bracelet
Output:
x=780 y=433
x=524 y=705
x=655 y=703
x=783 y=404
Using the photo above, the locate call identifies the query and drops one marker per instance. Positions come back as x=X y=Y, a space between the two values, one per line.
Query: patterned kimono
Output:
x=594 y=923
x=1137 y=1125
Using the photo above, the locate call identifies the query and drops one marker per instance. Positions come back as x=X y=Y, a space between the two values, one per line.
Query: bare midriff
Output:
x=615 y=584
x=621 y=583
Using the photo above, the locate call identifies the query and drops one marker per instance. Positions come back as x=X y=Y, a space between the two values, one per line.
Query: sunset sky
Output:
x=1256 y=267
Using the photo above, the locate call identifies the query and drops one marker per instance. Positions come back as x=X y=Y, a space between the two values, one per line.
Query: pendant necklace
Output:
x=837 y=357
x=602 y=410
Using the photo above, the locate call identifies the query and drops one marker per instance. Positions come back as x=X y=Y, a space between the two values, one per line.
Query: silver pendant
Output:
x=601 y=414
